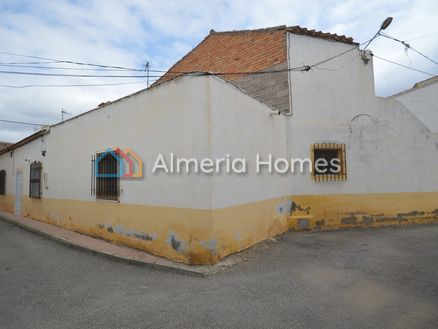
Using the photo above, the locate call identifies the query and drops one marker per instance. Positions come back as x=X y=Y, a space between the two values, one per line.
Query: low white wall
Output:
x=423 y=103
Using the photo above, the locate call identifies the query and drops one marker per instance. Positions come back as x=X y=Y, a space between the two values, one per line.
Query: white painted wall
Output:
x=169 y=118
x=388 y=148
x=423 y=103
x=191 y=117
x=243 y=127
x=17 y=161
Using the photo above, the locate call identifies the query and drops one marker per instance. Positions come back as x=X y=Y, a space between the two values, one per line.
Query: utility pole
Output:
x=62 y=114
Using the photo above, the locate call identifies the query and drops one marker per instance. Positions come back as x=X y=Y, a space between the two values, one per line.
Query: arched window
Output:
x=35 y=180
x=105 y=173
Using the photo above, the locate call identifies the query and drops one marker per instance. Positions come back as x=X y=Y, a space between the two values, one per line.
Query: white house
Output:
x=387 y=156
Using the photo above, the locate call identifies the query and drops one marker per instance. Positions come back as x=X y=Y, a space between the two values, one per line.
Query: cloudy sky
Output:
x=130 y=33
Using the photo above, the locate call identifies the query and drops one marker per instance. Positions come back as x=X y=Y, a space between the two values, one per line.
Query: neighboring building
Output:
x=388 y=157
x=4 y=145
x=421 y=100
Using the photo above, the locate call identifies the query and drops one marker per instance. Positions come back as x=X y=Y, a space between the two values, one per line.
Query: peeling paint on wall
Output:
x=126 y=232
x=284 y=207
x=175 y=243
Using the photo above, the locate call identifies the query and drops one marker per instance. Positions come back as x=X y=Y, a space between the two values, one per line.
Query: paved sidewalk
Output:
x=102 y=247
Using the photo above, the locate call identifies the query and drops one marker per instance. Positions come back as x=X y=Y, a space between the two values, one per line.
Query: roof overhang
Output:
x=26 y=140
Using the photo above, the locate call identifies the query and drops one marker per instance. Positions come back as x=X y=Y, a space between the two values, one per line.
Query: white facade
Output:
x=389 y=154
x=422 y=101
x=388 y=148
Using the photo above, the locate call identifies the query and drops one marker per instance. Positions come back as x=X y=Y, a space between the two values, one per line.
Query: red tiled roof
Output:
x=295 y=30
x=242 y=51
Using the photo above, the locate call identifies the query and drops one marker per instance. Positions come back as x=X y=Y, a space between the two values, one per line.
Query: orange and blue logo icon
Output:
x=129 y=164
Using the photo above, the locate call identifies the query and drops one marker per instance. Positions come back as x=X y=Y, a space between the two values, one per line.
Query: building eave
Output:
x=26 y=140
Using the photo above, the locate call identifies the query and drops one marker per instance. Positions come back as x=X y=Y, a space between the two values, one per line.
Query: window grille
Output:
x=2 y=181
x=35 y=180
x=105 y=180
x=329 y=152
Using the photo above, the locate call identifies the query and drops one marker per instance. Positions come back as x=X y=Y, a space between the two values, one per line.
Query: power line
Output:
x=72 y=85
x=336 y=56
x=71 y=62
x=27 y=63
x=405 y=66
x=303 y=68
x=55 y=61
x=39 y=124
x=422 y=36
x=408 y=46
x=23 y=123
x=338 y=68
x=58 y=68
x=77 y=75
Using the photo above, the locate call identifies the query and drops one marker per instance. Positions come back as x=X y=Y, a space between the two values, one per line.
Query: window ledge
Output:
x=107 y=200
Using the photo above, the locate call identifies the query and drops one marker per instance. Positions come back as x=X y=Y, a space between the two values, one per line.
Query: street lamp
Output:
x=386 y=23
x=383 y=26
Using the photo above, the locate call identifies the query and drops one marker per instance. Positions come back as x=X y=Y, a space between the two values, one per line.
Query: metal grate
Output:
x=2 y=181
x=105 y=180
x=93 y=175
x=329 y=151
x=35 y=180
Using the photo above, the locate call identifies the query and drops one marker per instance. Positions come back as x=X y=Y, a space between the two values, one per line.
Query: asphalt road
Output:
x=364 y=278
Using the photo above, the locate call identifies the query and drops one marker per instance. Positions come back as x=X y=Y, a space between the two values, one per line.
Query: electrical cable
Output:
x=23 y=123
x=299 y=68
x=408 y=46
x=71 y=62
x=405 y=66
x=59 y=68
x=422 y=36
x=78 y=75
x=73 y=85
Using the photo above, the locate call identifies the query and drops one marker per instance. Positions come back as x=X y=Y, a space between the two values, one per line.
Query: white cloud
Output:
x=131 y=32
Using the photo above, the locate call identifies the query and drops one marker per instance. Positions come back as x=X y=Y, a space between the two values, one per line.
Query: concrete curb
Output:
x=159 y=263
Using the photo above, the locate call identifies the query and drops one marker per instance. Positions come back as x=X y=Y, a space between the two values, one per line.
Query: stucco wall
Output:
x=178 y=216
x=165 y=208
x=423 y=103
x=200 y=218
x=387 y=148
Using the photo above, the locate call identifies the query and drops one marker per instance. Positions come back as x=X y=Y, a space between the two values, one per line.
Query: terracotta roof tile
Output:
x=319 y=34
x=242 y=51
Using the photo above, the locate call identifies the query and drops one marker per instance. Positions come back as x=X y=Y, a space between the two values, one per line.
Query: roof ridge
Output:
x=266 y=29
x=296 y=29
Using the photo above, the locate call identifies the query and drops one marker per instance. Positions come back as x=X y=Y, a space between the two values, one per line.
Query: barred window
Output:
x=2 y=181
x=329 y=162
x=35 y=180
x=105 y=176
